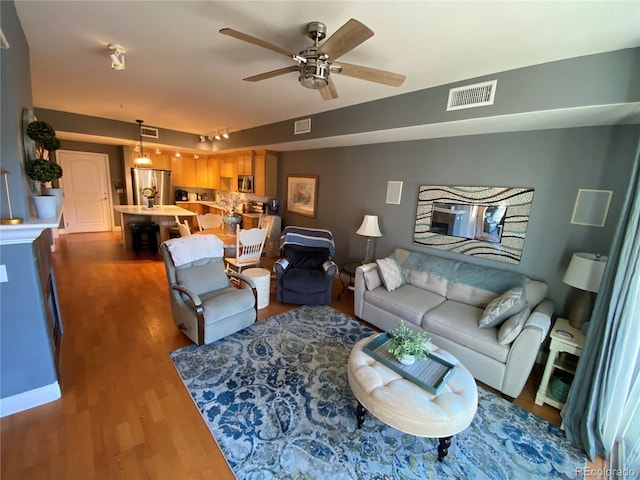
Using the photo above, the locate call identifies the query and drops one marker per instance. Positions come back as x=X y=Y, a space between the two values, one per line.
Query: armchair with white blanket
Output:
x=204 y=304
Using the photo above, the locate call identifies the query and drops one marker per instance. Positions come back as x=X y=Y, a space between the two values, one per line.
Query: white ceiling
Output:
x=181 y=74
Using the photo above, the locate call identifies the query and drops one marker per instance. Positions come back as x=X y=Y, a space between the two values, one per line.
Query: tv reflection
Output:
x=474 y=222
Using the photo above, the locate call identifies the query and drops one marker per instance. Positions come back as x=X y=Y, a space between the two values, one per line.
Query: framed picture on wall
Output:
x=302 y=194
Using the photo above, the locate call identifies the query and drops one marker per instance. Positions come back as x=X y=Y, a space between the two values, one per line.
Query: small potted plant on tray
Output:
x=408 y=345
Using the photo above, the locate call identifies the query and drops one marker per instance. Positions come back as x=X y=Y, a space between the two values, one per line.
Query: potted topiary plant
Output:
x=41 y=170
x=408 y=345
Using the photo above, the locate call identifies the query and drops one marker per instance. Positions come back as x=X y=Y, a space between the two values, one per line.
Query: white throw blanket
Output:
x=194 y=247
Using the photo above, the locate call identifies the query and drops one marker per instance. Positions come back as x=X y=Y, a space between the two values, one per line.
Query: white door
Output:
x=87 y=203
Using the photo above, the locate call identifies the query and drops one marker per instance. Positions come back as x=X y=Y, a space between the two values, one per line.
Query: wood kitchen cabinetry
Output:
x=244 y=163
x=213 y=172
x=265 y=173
x=221 y=171
x=202 y=172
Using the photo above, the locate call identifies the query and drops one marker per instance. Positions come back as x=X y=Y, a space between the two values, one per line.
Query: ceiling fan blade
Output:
x=329 y=92
x=256 y=41
x=346 y=38
x=271 y=74
x=371 y=74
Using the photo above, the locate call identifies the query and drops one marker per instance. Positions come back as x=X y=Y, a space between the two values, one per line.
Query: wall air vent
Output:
x=302 y=126
x=149 y=132
x=469 y=96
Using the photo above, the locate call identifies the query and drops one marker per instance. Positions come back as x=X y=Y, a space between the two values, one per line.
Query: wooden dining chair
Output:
x=249 y=245
x=209 y=220
x=183 y=227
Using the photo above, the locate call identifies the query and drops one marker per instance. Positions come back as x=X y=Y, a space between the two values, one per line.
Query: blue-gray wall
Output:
x=15 y=91
x=556 y=163
x=26 y=360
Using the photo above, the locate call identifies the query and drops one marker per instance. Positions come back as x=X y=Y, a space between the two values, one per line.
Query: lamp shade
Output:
x=369 y=227
x=585 y=271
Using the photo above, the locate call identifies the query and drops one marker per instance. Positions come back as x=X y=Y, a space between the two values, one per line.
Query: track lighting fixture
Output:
x=142 y=159
x=216 y=135
x=158 y=151
x=196 y=156
x=178 y=154
x=117 y=57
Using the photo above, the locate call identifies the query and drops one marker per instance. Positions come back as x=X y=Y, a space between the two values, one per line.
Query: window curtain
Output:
x=602 y=413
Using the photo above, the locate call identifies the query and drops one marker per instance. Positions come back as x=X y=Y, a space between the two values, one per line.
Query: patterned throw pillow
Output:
x=498 y=310
x=511 y=328
x=391 y=273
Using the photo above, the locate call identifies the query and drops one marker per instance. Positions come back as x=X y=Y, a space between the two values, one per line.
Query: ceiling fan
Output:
x=316 y=62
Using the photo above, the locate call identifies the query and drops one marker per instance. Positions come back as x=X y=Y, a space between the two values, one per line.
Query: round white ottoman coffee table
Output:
x=405 y=406
x=262 y=279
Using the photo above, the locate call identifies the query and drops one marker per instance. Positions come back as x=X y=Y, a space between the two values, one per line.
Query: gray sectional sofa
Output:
x=448 y=299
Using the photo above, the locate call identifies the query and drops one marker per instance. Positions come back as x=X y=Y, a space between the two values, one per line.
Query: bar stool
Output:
x=145 y=235
x=174 y=232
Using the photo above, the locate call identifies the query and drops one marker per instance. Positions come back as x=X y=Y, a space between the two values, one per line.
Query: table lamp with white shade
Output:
x=369 y=229
x=585 y=273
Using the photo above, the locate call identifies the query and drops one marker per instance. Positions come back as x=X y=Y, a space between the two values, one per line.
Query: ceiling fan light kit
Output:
x=117 y=57
x=315 y=63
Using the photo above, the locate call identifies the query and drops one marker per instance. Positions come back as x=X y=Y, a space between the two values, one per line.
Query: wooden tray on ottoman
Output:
x=430 y=374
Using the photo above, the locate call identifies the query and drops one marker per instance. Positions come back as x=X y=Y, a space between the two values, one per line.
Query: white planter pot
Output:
x=45 y=206
x=56 y=192
x=408 y=360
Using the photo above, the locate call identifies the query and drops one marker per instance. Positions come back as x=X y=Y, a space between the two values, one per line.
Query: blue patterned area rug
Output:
x=277 y=400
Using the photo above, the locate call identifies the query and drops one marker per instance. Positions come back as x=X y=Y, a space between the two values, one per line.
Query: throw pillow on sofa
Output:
x=391 y=273
x=512 y=327
x=501 y=308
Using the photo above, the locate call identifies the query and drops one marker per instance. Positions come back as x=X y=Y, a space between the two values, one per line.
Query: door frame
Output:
x=105 y=158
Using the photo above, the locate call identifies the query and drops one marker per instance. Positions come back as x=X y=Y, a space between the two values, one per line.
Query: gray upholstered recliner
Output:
x=205 y=306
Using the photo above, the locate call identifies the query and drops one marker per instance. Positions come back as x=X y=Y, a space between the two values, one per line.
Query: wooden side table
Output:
x=564 y=351
x=349 y=270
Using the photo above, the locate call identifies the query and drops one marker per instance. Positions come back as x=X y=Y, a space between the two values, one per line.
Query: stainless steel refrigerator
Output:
x=148 y=177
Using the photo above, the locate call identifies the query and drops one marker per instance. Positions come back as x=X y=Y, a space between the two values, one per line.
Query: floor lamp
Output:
x=369 y=229
x=585 y=273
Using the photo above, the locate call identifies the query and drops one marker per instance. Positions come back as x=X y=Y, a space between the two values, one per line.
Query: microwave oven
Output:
x=245 y=183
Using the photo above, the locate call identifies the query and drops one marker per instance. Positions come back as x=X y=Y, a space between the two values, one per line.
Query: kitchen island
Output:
x=163 y=215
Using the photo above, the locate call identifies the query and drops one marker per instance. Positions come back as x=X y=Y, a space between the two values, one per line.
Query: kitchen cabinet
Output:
x=161 y=161
x=201 y=172
x=213 y=172
x=265 y=174
x=189 y=171
x=244 y=163
x=250 y=220
x=195 y=207
x=177 y=172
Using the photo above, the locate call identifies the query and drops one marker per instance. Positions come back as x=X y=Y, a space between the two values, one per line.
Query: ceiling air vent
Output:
x=149 y=132
x=302 y=126
x=477 y=95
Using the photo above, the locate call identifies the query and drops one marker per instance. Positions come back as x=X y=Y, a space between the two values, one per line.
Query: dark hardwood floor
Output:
x=124 y=412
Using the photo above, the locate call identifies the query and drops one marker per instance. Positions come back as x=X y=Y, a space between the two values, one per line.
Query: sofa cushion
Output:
x=303 y=280
x=407 y=302
x=428 y=281
x=476 y=296
x=512 y=327
x=372 y=278
x=501 y=308
x=391 y=273
x=203 y=275
x=459 y=323
x=306 y=257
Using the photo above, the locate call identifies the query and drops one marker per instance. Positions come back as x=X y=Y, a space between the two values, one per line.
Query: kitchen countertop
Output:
x=159 y=210
x=209 y=203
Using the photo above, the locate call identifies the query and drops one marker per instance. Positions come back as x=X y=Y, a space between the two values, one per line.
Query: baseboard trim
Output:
x=32 y=398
